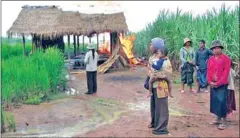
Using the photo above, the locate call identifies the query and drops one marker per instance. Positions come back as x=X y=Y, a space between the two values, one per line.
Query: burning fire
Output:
x=105 y=48
x=127 y=43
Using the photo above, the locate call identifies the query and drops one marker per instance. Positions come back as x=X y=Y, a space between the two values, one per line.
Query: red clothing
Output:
x=218 y=69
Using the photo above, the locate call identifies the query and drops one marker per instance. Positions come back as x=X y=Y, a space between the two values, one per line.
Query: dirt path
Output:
x=120 y=109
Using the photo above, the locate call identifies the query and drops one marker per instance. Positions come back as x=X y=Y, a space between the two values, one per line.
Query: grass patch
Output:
x=28 y=79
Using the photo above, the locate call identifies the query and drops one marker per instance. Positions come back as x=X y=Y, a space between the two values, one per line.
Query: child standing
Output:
x=231 y=104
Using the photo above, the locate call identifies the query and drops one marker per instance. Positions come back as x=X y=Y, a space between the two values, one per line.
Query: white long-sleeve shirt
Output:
x=231 y=76
x=91 y=64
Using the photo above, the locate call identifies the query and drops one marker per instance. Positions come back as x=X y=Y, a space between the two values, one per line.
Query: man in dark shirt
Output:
x=202 y=56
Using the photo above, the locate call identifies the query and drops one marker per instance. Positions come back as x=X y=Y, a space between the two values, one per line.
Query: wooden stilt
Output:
x=97 y=43
x=68 y=47
x=83 y=44
x=78 y=51
x=74 y=44
x=89 y=39
x=23 y=45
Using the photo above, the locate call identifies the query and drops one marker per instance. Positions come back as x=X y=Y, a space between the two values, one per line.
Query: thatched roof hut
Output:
x=36 y=20
x=52 y=21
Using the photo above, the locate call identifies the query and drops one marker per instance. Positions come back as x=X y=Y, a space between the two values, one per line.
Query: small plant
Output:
x=8 y=121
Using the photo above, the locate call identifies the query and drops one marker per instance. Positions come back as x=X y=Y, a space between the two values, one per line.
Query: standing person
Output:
x=160 y=91
x=202 y=56
x=231 y=103
x=217 y=76
x=187 y=56
x=91 y=60
x=152 y=59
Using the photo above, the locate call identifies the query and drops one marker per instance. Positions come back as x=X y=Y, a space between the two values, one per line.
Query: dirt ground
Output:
x=120 y=109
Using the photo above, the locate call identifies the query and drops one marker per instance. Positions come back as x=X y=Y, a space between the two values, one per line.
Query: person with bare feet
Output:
x=217 y=76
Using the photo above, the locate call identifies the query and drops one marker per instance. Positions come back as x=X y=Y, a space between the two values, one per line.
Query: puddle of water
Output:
x=145 y=106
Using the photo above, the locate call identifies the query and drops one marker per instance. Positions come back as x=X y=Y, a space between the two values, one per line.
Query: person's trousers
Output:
x=92 y=81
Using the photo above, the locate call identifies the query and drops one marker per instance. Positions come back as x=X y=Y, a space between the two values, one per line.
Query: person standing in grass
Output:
x=231 y=103
x=202 y=56
x=91 y=60
x=187 y=56
x=217 y=76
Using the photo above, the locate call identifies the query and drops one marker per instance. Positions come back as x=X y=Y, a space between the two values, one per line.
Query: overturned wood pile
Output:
x=115 y=58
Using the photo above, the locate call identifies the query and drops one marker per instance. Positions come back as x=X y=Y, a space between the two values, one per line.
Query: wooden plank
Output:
x=24 y=49
x=112 y=59
x=124 y=62
x=68 y=47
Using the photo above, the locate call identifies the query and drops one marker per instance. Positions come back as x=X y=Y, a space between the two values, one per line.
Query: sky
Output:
x=137 y=13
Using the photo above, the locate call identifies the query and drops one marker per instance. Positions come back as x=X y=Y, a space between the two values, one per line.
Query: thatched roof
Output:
x=98 y=23
x=51 y=21
x=69 y=23
x=36 y=20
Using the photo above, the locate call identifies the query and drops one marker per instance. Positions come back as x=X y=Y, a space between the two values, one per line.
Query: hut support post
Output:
x=74 y=44
x=83 y=43
x=23 y=44
x=97 y=43
x=78 y=51
x=32 y=43
x=68 y=47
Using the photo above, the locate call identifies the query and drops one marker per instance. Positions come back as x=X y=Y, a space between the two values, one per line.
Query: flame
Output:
x=127 y=43
x=105 y=48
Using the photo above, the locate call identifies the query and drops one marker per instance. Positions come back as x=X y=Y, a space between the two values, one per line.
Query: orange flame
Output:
x=127 y=43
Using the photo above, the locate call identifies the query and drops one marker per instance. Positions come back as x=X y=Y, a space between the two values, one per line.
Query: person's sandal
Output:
x=222 y=126
x=214 y=123
x=182 y=91
x=150 y=126
x=193 y=91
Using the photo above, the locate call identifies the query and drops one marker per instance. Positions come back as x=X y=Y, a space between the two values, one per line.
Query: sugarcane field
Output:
x=120 y=69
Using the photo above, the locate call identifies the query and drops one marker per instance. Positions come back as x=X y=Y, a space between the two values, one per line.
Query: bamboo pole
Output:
x=23 y=44
x=83 y=43
x=74 y=44
x=68 y=47
x=97 y=43
x=78 y=51
x=89 y=39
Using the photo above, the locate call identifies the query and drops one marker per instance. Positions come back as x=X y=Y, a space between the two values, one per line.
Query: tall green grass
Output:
x=9 y=50
x=175 y=26
x=30 y=78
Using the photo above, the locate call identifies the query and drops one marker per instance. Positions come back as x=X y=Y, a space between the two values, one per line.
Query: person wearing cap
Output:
x=160 y=90
x=91 y=60
x=202 y=56
x=217 y=76
x=187 y=56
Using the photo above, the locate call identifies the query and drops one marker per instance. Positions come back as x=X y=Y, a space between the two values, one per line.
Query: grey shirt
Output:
x=183 y=55
x=202 y=57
